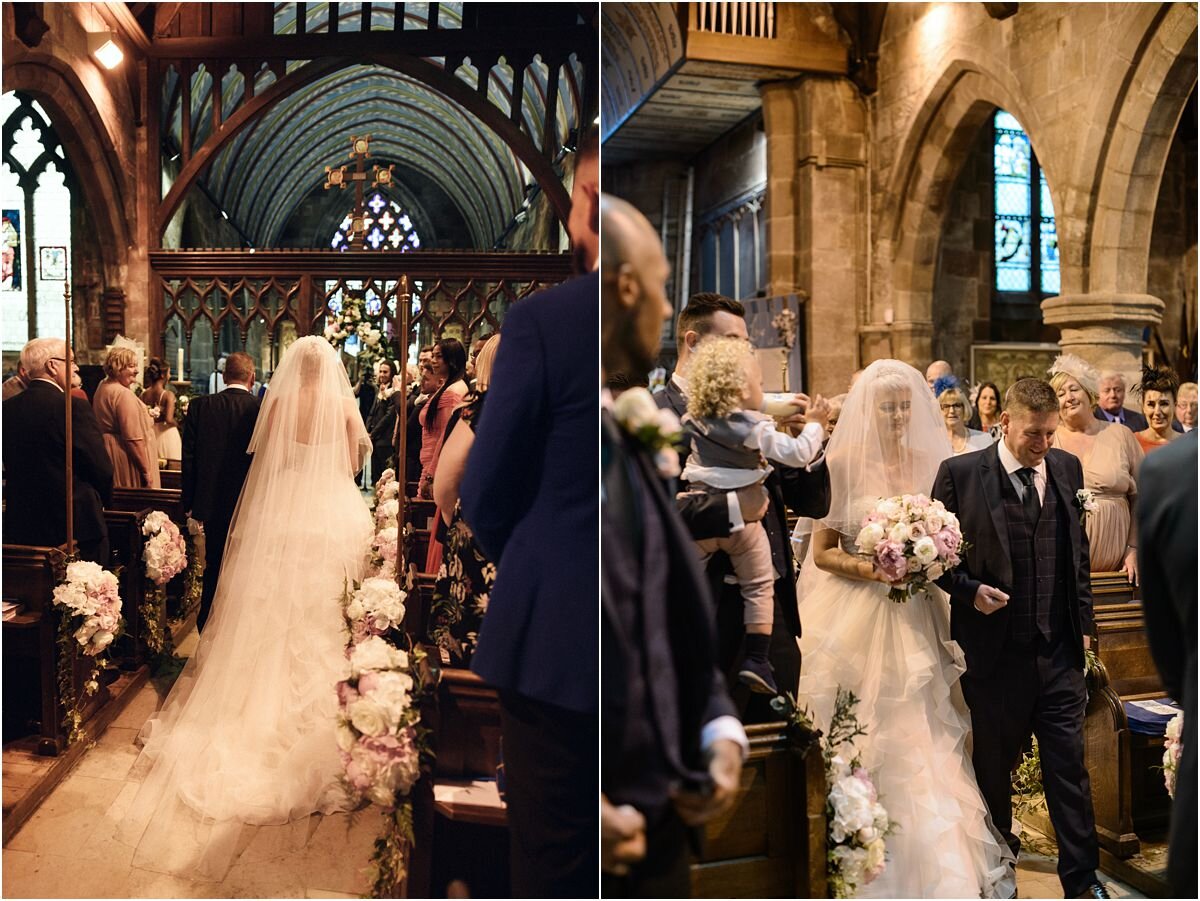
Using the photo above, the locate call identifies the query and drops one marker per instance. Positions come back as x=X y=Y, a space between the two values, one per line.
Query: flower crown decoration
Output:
x=1079 y=369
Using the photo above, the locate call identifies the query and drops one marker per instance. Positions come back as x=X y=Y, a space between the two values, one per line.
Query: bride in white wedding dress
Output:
x=246 y=736
x=898 y=659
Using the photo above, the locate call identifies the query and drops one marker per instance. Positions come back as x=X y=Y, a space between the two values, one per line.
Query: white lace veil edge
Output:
x=890 y=439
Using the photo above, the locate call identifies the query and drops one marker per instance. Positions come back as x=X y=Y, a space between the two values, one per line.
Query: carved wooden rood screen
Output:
x=261 y=301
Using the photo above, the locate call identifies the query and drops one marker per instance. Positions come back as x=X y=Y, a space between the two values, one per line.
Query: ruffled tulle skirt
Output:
x=247 y=735
x=901 y=663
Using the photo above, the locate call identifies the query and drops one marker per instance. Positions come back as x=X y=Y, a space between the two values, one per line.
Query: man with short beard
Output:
x=672 y=746
x=529 y=496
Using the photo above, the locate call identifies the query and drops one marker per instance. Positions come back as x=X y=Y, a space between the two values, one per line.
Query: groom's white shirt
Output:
x=1011 y=464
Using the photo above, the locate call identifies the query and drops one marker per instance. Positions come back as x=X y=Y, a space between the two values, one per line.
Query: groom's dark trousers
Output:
x=1025 y=661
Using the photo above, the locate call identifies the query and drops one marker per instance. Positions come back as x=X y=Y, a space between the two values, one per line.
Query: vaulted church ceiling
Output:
x=260 y=176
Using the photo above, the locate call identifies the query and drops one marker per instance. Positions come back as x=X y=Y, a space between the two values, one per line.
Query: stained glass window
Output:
x=35 y=238
x=386 y=227
x=1025 y=236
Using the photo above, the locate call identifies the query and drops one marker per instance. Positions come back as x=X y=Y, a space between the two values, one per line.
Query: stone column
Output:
x=816 y=216
x=1105 y=328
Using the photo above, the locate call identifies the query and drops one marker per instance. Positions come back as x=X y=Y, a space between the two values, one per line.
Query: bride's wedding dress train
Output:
x=901 y=663
x=247 y=735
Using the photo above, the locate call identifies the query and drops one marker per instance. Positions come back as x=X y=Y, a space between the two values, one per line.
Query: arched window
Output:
x=35 y=235
x=386 y=227
x=1026 y=242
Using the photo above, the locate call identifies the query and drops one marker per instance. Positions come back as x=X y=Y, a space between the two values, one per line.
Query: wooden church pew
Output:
x=1127 y=794
x=31 y=650
x=168 y=500
x=126 y=543
x=772 y=844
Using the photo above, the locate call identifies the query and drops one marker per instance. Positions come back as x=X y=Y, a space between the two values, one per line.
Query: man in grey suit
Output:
x=1166 y=512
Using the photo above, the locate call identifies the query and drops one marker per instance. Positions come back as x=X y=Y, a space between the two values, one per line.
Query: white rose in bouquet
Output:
x=373 y=654
x=852 y=862
x=370 y=718
x=891 y=509
x=925 y=550
x=898 y=533
x=876 y=857
x=635 y=408
x=382 y=600
x=869 y=537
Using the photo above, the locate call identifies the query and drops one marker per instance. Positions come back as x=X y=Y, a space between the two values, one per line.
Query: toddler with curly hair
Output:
x=731 y=442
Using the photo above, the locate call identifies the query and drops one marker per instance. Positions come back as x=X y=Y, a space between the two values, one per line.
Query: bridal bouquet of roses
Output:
x=90 y=592
x=912 y=540
x=377 y=724
x=1172 y=751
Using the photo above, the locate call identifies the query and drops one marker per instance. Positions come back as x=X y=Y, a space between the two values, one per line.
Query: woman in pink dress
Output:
x=126 y=424
x=449 y=360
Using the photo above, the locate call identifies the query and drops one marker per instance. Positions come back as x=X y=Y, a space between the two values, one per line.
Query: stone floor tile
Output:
x=28 y=875
x=111 y=759
x=68 y=818
x=144 y=703
x=148 y=884
x=318 y=893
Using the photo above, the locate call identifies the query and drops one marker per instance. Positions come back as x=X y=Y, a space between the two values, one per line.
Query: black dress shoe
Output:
x=1095 y=890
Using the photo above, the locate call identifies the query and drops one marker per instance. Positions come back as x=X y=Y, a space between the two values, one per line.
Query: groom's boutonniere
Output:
x=1085 y=502
x=657 y=431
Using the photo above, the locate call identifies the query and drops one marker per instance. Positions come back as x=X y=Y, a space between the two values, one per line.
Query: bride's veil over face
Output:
x=889 y=440
x=309 y=418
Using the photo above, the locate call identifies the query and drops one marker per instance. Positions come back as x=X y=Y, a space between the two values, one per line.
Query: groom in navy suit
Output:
x=529 y=495
x=1021 y=610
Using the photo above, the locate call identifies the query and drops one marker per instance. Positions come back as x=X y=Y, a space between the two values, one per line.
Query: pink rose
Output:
x=889 y=557
x=946 y=541
x=359 y=631
x=367 y=683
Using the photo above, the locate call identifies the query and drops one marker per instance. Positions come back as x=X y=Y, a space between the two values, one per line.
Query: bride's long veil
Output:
x=890 y=439
x=247 y=733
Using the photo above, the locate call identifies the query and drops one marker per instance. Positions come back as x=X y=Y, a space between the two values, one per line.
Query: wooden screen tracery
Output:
x=217 y=301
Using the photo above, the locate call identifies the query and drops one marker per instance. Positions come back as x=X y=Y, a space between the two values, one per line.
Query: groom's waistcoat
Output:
x=1038 y=601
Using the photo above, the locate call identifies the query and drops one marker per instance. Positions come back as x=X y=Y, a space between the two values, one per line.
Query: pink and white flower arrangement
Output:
x=385 y=545
x=387 y=514
x=912 y=540
x=165 y=553
x=857 y=823
x=658 y=431
x=91 y=592
x=1172 y=751
x=376 y=730
x=376 y=606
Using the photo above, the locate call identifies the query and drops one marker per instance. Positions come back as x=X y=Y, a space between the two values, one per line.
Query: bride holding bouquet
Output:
x=868 y=629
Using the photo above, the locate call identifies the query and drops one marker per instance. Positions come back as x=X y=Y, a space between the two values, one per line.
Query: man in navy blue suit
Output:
x=529 y=494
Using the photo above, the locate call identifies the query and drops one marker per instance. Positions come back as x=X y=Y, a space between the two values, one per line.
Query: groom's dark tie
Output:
x=1029 y=500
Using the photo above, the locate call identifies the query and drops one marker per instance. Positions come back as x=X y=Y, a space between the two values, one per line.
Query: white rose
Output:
x=933 y=522
x=635 y=408
x=376 y=654
x=869 y=537
x=354 y=610
x=925 y=550
x=391 y=693
x=370 y=718
x=916 y=529
x=935 y=571
x=876 y=854
x=102 y=639
x=898 y=533
x=1175 y=727
x=891 y=509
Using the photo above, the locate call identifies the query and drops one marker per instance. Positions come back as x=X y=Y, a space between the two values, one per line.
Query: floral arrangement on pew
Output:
x=355 y=320
x=193 y=585
x=1172 y=751
x=91 y=601
x=380 y=738
x=856 y=824
x=165 y=555
x=913 y=540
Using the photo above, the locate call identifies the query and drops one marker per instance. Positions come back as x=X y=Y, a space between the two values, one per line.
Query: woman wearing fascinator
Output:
x=1110 y=456
x=1158 y=389
x=897 y=658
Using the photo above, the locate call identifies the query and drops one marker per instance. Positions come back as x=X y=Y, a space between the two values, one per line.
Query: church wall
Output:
x=1172 y=267
x=731 y=168
x=92 y=111
x=1091 y=91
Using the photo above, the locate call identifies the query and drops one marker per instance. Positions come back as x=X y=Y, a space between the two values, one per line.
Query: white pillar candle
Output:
x=179 y=365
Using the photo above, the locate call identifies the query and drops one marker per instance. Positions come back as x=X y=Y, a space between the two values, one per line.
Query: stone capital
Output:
x=1105 y=328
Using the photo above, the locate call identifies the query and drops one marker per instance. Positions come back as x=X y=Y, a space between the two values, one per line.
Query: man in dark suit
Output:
x=529 y=495
x=1166 y=513
x=672 y=746
x=216 y=434
x=1110 y=406
x=35 y=433
x=1021 y=610
x=707 y=515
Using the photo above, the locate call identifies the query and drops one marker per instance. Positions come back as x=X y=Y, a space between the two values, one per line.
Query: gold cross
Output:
x=336 y=177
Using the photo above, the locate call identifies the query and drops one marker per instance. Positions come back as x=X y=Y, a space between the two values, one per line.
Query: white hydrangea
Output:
x=374 y=654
